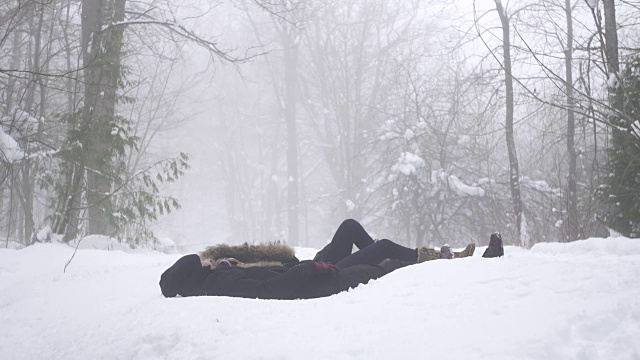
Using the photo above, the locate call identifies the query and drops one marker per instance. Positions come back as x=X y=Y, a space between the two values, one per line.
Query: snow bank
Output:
x=101 y=242
x=594 y=247
x=557 y=301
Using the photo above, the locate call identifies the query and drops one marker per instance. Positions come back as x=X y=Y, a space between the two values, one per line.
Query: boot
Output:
x=445 y=252
x=427 y=254
x=468 y=251
x=495 y=248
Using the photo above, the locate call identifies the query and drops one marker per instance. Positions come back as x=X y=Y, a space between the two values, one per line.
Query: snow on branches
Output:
x=9 y=149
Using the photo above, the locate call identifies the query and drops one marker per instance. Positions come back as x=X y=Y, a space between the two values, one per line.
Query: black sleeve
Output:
x=355 y=275
x=236 y=283
x=295 y=261
x=177 y=278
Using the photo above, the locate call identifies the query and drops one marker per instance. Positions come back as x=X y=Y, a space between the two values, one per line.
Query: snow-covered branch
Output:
x=10 y=151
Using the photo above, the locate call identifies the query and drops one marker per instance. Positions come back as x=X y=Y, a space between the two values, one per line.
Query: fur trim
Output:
x=260 y=263
x=251 y=254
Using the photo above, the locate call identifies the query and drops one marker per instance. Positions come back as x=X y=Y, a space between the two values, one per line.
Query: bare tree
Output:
x=572 y=226
x=289 y=34
x=514 y=173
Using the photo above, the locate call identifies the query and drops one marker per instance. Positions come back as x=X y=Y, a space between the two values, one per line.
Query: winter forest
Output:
x=248 y=121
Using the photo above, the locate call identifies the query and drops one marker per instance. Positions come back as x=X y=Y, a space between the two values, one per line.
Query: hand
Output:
x=207 y=263
x=226 y=263
x=235 y=261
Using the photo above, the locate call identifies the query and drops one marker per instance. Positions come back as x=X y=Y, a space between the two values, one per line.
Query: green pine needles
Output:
x=621 y=188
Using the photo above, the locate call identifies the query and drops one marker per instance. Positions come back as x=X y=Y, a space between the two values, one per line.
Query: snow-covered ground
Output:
x=556 y=301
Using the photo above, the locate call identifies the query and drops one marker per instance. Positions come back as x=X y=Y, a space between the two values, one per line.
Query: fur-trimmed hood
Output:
x=250 y=254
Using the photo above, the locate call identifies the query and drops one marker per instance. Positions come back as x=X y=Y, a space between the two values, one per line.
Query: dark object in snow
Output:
x=350 y=233
x=445 y=252
x=468 y=251
x=336 y=268
x=308 y=279
x=428 y=254
x=495 y=248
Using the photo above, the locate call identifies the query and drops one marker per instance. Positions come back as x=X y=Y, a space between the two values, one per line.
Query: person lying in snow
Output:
x=271 y=271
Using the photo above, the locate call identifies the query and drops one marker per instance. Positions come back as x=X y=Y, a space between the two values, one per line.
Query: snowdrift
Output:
x=557 y=301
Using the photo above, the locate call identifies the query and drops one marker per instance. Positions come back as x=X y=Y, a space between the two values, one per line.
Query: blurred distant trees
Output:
x=430 y=122
x=402 y=118
x=71 y=162
x=545 y=32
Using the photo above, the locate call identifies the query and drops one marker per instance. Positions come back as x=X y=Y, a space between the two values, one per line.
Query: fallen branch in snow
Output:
x=72 y=256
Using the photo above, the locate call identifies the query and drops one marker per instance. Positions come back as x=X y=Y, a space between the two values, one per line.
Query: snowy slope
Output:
x=557 y=301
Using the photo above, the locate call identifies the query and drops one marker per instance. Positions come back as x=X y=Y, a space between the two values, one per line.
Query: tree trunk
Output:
x=573 y=228
x=514 y=176
x=611 y=52
x=102 y=61
x=92 y=18
x=15 y=64
x=69 y=219
x=67 y=214
x=27 y=165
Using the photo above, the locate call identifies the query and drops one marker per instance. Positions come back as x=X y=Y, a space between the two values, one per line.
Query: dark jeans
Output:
x=350 y=233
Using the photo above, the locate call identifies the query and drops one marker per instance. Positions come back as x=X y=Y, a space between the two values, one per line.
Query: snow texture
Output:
x=592 y=3
x=409 y=134
x=463 y=189
x=456 y=185
x=407 y=164
x=44 y=234
x=577 y=300
x=24 y=118
x=613 y=82
x=9 y=149
x=538 y=185
x=635 y=128
x=388 y=130
x=525 y=239
x=350 y=205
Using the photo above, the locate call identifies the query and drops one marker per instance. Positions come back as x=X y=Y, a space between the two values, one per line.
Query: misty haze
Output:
x=133 y=133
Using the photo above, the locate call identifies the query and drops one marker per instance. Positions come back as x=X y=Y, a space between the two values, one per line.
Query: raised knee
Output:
x=350 y=223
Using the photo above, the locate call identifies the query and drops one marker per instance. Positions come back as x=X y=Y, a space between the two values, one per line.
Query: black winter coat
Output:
x=187 y=277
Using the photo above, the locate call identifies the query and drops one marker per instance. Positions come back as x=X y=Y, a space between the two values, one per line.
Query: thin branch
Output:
x=183 y=32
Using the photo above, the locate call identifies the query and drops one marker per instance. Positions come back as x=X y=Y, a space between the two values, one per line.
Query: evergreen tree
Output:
x=94 y=190
x=621 y=189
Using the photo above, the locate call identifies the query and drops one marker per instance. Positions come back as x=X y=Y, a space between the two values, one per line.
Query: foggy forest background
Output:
x=247 y=120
